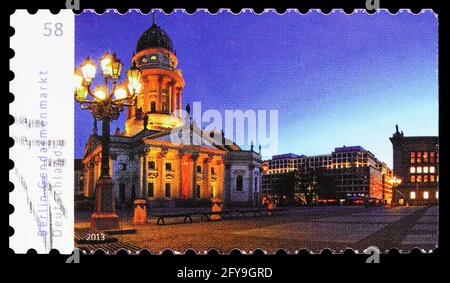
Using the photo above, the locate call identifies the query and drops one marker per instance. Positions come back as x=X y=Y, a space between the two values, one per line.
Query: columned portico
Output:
x=193 y=173
x=206 y=176
x=141 y=175
x=179 y=156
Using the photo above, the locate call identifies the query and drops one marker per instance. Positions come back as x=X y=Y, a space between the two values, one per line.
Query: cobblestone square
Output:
x=313 y=228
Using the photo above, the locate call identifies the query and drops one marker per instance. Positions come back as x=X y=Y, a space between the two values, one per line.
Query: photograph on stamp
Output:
x=244 y=131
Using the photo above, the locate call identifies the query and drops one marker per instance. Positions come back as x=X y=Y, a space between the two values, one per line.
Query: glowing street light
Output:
x=88 y=70
x=134 y=79
x=395 y=183
x=106 y=64
x=105 y=102
x=116 y=67
x=120 y=93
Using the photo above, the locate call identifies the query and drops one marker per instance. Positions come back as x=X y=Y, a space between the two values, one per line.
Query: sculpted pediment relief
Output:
x=239 y=172
x=153 y=175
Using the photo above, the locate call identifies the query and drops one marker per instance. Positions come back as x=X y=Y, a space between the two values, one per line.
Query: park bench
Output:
x=89 y=236
x=206 y=216
x=273 y=210
x=187 y=217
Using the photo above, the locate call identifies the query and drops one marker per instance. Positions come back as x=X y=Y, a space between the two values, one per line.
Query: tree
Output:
x=326 y=187
x=308 y=183
x=286 y=184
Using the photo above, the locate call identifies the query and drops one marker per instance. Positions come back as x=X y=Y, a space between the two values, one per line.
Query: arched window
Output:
x=199 y=169
x=239 y=183
x=213 y=171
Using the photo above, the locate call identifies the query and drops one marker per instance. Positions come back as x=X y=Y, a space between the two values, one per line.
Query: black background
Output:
x=148 y=266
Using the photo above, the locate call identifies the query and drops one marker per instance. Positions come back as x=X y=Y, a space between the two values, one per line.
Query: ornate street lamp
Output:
x=395 y=183
x=106 y=102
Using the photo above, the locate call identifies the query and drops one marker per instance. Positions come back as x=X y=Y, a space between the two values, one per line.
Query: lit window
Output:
x=432 y=179
x=432 y=169
x=425 y=169
x=413 y=179
x=412 y=195
x=425 y=154
x=412 y=170
x=419 y=154
x=153 y=57
x=425 y=178
x=437 y=195
x=431 y=154
x=413 y=154
x=419 y=179
x=419 y=170
x=425 y=195
x=413 y=160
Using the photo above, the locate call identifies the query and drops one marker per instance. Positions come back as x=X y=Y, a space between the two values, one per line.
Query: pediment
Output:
x=92 y=143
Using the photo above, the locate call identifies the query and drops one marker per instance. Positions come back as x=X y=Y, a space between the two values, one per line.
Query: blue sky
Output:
x=335 y=79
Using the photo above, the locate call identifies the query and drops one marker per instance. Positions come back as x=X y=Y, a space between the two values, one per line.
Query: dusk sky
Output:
x=335 y=79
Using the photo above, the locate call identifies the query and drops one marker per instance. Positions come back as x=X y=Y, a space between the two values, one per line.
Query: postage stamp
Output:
x=224 y=131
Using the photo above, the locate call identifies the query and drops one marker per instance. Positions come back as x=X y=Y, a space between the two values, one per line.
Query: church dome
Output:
x=154 y=37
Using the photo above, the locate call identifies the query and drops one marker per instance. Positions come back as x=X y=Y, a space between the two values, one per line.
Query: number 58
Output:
x=50 y=29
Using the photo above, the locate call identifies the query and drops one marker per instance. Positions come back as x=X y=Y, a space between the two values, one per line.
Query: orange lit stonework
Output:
x=161 y=95
x=146 y=164
x=190 y=169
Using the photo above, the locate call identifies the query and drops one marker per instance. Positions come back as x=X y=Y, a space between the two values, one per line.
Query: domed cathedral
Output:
x=146 y=164
x=162 y=84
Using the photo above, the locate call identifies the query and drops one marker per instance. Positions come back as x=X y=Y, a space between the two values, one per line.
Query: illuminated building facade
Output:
x=162 y=84
x=359 y=174
x=78 y=177
x=416 y=162
x=145 y=163
x=355 y=172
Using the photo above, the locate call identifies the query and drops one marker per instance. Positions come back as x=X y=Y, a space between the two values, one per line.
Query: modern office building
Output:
x=416 y=162
x=358 y=174
x=354 y=174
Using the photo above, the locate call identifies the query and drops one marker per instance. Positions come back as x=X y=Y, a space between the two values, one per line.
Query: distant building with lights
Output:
x=416 y=162
x=146 y=164
x=78 y=177
x=356 y=174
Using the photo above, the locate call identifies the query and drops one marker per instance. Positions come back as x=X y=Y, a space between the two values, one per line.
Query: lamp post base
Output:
x=104 y=221
x=104 y=216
